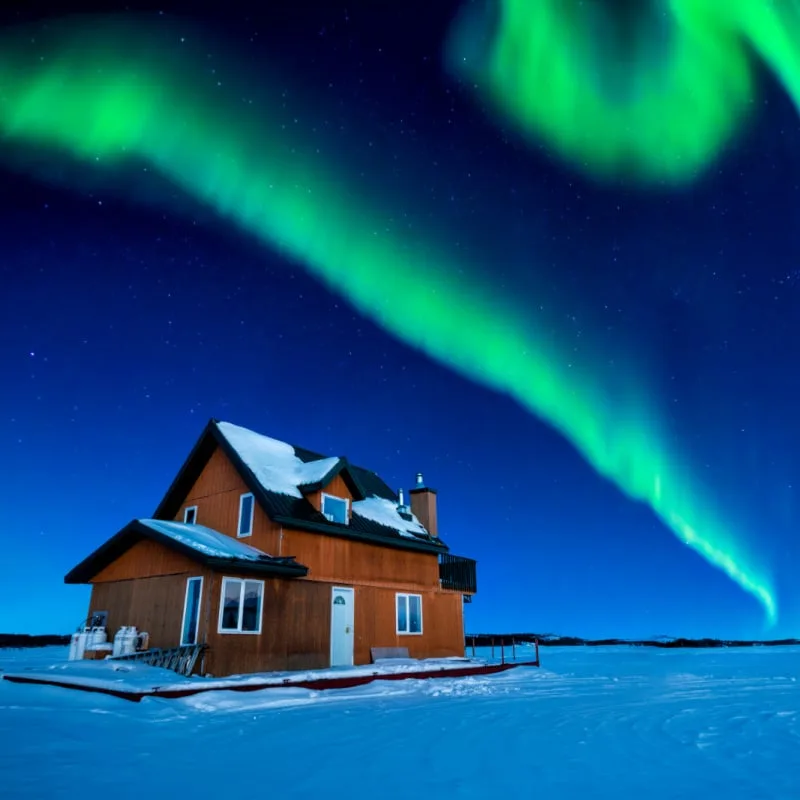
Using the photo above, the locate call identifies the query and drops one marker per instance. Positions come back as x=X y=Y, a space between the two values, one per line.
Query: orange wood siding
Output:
x=349 y=562
x=152 y=604
x=376 y=624
x=295 y=632
x=216 y=494
x=144 y=560
x=296 y=621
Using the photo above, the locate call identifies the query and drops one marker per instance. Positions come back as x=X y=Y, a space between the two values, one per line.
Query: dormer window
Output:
x=190 y=515
x=246 y=506
x=335 y=508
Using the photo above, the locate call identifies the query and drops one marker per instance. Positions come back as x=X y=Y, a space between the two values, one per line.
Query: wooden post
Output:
x=513 y=650
x=492 y=647
x=502 y=651
x=473 y=647
x=537 y=651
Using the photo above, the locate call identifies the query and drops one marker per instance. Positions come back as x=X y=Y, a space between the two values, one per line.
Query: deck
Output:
x=315 y=680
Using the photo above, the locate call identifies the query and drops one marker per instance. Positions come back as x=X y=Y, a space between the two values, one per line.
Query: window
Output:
x=335 y=508
x=409 y=613
x=190 y=515
x=191 y=611
x=245 y=515
x=240 y=606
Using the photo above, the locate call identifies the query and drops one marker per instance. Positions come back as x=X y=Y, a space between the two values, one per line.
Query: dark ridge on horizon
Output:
x=554 y=640
x=29 y=640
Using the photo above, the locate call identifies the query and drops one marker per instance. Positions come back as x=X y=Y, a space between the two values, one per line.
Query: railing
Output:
x=505 y=647
x=179 y=659
x=457 y=573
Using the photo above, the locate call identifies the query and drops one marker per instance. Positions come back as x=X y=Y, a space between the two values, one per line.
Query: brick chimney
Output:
x=423 y=505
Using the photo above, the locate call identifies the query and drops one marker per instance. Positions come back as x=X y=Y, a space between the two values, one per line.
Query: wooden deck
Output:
x=322 y=683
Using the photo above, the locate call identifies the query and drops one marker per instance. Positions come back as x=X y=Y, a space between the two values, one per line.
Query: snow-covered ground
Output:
x=592 y=722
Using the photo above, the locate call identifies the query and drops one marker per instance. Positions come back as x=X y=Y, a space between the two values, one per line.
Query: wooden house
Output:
x=278 y=558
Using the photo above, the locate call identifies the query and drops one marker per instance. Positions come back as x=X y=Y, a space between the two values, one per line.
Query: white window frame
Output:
x=186 y=608
x=239 y=631
x=186 y=513
x=345 y=500
x=405 y=596
x=242 y=497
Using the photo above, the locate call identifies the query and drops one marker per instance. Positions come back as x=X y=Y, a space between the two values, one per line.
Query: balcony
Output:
x=457 y=574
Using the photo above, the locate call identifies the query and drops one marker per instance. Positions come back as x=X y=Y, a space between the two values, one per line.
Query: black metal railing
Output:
x=507 y=648
x=457 y=573
x=179 y=659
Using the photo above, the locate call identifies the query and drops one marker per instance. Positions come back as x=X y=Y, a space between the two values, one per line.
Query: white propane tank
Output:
x=77 y=645
x=97 y=636
x=125 y=641
x=129 y=643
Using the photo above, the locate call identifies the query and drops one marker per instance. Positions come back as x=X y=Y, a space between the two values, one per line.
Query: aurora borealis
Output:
x=652 y=90
x=93 y=101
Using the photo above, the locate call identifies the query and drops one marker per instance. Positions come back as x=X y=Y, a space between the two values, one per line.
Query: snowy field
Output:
x=591 y=723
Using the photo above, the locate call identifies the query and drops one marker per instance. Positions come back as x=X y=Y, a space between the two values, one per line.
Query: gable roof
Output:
x=202 y=544
x=278 y=474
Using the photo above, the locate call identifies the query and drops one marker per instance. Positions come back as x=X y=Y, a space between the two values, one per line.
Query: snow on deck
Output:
x=205 y=540
x=135 y=678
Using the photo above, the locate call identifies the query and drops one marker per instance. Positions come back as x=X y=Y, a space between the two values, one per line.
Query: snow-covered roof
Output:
x=385 y=512
x=205 y=540
x=278 y=469
x=273 y=462
x=196 y=541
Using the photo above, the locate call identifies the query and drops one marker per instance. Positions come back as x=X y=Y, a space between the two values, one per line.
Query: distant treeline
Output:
x=26 y=640
x=551 y=640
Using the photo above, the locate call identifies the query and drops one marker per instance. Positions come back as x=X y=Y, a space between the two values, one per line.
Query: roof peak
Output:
x=303 y=453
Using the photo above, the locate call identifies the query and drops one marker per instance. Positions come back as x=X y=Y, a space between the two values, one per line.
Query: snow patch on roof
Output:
x=273 y=462
x=205 y=540
x=315 y=471
x=384 y=512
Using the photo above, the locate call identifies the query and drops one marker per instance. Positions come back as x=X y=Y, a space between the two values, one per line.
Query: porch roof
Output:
x=198 y=542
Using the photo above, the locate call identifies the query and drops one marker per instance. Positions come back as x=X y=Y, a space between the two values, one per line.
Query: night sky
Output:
x=135 y=305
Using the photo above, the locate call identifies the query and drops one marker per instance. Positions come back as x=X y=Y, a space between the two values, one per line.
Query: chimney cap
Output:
x=420 y=486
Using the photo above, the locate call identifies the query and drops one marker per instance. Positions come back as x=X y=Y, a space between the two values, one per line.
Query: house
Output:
x=278 y=558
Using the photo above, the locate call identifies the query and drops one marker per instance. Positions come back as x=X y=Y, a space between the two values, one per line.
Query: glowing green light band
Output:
x=652 y=94
x=97 y=92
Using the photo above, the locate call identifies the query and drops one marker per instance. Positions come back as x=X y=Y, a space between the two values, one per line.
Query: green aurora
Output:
x=106 y=92
x=651 y=90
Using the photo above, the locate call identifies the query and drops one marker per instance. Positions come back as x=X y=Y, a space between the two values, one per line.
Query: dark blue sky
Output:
x=125 y=326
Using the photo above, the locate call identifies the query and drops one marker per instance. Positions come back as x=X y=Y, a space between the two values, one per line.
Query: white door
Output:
x=342 y=618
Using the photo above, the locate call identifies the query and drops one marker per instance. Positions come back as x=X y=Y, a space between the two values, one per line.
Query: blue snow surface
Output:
x=617 y=722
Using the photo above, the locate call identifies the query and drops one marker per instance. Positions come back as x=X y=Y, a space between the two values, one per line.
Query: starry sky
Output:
x=133 y=309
